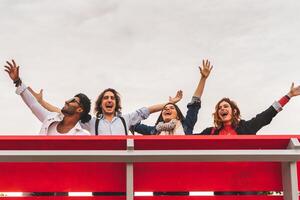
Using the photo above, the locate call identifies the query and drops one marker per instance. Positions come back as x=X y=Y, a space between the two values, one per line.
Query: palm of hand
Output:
x=295 y=91
x=13 y=74
x=177 y=98
x=205 y=71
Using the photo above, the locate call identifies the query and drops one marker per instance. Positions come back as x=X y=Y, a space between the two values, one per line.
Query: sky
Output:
x=147 y=50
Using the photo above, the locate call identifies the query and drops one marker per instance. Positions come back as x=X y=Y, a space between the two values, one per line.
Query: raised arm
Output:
x=294 y=91
x=159 y=107
x=265 y=118
x=45 y=104
x=13 y=71
x=204 y=71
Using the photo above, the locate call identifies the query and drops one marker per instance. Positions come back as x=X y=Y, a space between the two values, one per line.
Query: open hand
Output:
x=294 y=91
x=13 y=70
x=177 y=98
x=206 y=68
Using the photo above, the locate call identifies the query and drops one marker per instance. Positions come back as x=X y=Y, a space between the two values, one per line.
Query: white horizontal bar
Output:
x=287 y=155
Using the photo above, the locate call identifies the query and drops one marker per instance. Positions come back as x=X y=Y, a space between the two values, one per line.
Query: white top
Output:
x=52 y=130
x=46 y=117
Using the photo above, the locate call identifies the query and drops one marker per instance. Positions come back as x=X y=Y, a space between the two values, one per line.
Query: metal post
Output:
x=129 y=173
x=289 y=174
x=289 y=180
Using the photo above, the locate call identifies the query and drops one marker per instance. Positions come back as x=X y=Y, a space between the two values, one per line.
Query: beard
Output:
x=68 y=110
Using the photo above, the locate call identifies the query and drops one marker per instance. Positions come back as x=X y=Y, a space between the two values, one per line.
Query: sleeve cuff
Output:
x=276 y=105
x=195 y=100
x=146 y=112
x=20 y=89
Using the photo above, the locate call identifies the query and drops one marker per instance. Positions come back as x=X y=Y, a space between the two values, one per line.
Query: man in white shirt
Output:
x=109 y=120
x=65 y=123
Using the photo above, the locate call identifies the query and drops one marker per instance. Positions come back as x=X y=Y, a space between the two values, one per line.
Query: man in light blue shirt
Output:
x=108 y=119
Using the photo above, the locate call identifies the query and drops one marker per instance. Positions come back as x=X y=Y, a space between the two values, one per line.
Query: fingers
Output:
x=205 y=63
x=7 y=68
x=14 y=63
x=9 y=64
x=200 y=69
x=292 y=86
x=179 y=92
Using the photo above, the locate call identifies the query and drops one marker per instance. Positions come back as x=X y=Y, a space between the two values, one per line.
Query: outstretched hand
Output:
x=38 y=96
x=294 y=91
x=13 y=70
x=206 y=68
x=177 y=98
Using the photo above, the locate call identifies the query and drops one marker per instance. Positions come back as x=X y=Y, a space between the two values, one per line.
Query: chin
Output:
x=167 y=120
x=109 y=112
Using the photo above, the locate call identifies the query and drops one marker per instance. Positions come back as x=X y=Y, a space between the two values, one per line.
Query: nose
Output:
x=109 y=99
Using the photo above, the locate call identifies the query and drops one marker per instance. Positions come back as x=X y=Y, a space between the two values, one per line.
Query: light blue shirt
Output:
x=116 y=127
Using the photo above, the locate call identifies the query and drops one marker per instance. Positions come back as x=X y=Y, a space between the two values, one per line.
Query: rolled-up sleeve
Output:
x=137 y=116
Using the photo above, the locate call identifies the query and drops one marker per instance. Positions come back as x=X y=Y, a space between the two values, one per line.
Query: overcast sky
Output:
x=147 y=50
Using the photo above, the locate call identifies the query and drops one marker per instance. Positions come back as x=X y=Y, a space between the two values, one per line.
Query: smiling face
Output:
x=71 y=106
x=108 y=103
x=225 y=112
x=169 y=112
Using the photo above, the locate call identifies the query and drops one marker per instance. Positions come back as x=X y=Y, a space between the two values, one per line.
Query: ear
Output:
x=80 y=110
x=234 y=111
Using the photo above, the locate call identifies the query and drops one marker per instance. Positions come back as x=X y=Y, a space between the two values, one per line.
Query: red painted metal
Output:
x=110 y=177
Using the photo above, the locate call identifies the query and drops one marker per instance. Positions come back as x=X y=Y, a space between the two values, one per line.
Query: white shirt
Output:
x=47 y=118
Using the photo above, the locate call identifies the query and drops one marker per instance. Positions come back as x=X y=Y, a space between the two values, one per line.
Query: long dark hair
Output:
x=179 y=113
x=85 y=103
x=98 y=103
x=236 y=114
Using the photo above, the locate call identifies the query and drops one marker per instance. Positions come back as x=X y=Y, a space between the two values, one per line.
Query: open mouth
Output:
x=168 y=113
x=224 y=114
x=109 y=106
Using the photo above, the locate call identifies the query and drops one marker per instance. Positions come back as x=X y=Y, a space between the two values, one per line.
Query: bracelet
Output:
x=18 y=82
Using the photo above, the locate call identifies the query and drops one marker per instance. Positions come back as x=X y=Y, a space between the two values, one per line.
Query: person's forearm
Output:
x=50 y=107
x=40 y=112
x=156 y=108
x=200 y=88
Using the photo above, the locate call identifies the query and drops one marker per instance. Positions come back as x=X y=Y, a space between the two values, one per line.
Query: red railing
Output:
x=149 y=163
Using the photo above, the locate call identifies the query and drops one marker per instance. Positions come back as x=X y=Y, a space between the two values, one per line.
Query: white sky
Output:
x=147 y=50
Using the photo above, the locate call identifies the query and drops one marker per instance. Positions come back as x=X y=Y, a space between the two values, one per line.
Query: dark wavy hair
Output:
x=98 y=103
x=236 y=114
x=179 y=113
x=85 y=104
